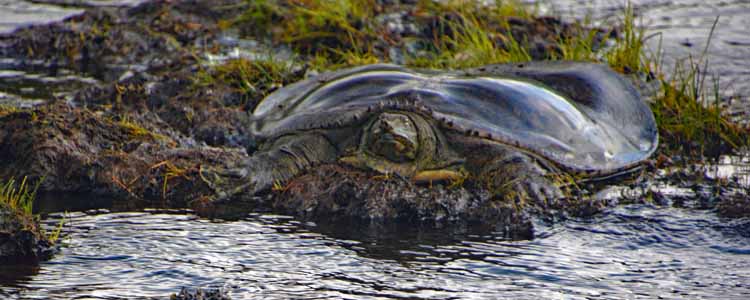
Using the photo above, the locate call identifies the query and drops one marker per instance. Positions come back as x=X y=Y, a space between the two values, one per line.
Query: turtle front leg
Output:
x=521 y=178
x=287 y=157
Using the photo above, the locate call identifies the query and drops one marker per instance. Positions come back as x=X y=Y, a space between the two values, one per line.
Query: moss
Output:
x=136 y=131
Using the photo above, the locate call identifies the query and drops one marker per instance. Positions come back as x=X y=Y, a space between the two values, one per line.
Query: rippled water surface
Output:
x=629 y=252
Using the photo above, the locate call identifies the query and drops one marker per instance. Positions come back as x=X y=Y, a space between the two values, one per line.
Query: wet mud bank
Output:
x=21 y=239
x=148 y=133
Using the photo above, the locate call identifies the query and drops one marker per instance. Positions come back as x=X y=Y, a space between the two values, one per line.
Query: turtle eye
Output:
x=394 y=137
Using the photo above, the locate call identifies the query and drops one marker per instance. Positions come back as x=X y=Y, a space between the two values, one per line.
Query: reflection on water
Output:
x=628 y=252
x=19 y=13
x=15 y=13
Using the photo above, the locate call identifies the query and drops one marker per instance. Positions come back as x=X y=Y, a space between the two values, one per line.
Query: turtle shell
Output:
x=583 y=116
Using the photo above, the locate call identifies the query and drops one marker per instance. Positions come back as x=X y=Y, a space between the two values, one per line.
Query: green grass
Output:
x=472 y=35
x=470 y=45
x=247 y=76
x=690 y=118
x=18 y=198
x=583 y=45
x=689 y=114
x=628 y=55
x=335 y=29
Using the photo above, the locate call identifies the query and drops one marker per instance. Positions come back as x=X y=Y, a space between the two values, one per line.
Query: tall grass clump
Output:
x=339 y=30
x=690 y=118
x=583 y=45
x=628 y=55
x=246 y=76
x=473 y=34
x=689 y=111
x=18 y=198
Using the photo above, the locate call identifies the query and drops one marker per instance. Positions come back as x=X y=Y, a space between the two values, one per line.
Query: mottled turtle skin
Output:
x=509 y=123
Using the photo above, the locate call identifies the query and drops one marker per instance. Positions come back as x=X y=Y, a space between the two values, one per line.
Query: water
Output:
x=629 y=252
x=31 y=82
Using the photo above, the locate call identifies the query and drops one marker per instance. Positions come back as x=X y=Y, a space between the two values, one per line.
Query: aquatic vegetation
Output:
x=56 y=234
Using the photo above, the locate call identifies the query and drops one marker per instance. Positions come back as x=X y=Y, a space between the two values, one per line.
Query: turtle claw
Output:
x=260 y=172
x=518 y=177
x=539 y=190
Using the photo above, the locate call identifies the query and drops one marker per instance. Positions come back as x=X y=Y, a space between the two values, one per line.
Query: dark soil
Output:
x=21 y=239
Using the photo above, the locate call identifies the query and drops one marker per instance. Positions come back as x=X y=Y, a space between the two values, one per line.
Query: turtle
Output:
x=511 y=124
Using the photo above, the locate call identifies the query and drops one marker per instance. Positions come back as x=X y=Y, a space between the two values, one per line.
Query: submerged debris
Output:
x=201 y=294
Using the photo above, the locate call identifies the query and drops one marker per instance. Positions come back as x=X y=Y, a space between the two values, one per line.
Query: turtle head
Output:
x=406 y=144
x=394 y=137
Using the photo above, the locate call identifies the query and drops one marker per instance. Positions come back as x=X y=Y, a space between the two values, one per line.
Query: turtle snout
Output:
x=394 y=137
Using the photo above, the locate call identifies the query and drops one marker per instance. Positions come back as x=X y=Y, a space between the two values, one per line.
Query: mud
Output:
x=22 y=241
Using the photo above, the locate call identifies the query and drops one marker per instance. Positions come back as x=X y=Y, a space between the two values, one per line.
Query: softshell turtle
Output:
x=509 y=124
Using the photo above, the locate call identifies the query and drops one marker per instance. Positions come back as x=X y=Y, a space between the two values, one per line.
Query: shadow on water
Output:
x=405 y=241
